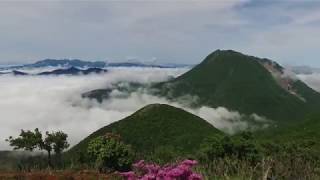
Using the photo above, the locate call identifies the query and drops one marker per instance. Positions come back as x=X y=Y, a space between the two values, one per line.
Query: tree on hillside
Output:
x=55 y=141
x=29 y=141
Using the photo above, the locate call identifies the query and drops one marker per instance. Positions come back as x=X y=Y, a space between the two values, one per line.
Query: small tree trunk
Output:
x=59 y=159
x=49 y=159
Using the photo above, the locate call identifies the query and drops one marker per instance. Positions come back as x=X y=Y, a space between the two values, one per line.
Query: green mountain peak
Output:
x=243 y=83
x=157 y=125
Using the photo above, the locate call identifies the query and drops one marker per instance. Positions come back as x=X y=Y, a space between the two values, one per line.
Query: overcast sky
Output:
x=167 y=31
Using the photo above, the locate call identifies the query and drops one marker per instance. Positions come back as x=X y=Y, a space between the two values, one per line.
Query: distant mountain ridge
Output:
x=68 y=62
x=304 y=69
x=67 y=71
x=74 y=71
x=89 y=64
x=146 y=65
x=61 y=63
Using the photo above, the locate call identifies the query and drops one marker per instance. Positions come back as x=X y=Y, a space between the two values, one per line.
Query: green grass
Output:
x=305 y=130
x=21 y=160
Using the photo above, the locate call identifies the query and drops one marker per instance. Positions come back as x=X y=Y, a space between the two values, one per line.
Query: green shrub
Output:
x=109 y=153
x=241 y=146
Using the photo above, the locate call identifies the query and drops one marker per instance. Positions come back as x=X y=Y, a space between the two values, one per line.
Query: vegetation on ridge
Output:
x=156 y=126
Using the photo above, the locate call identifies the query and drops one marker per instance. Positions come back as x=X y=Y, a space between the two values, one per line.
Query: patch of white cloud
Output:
x=222 y=118
x=313 y=80
x=50 y=103
x=287 y=73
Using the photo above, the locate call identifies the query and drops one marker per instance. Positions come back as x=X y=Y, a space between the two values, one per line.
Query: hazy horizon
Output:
x=4 y=64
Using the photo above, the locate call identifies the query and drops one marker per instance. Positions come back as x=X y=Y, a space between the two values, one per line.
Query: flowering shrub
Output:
x=180 y=171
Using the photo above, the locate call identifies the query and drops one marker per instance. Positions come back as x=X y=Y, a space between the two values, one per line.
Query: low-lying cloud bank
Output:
x=313 y=80
x=54 y=103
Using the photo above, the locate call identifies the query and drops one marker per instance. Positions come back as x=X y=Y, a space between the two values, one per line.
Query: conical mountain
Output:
x=246 y=84
x=158 y=125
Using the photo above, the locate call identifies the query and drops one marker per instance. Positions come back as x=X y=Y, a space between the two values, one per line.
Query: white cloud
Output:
x=52 y=103
x=55 y=103
x=313 y=80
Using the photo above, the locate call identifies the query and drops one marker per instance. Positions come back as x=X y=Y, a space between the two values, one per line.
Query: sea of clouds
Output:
x=313 y=80
x=53 y=103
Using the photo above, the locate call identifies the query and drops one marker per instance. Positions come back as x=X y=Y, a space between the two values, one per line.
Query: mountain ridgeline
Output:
x=74 y=71
x=77 y=63
x=67 y=63
x=246 y=84
x=68 y=71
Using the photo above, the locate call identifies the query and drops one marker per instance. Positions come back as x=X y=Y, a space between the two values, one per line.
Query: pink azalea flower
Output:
x=195 y=176
x=149 y=177
x=176 y=172
x=185 y=169
x=167 y=172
